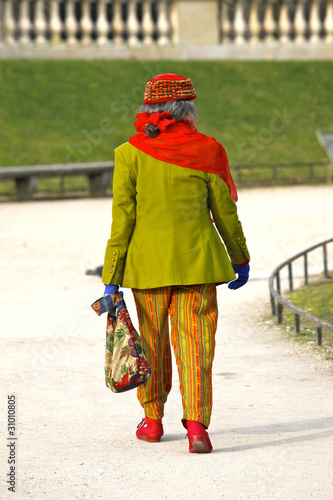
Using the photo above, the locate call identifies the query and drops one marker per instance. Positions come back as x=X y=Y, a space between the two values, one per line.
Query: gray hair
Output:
x=180 y=110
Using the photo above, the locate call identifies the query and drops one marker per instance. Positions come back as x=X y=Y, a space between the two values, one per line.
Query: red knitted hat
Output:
x=168 y=87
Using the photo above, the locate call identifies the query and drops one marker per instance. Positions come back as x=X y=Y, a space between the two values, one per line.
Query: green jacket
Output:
x=162 y=233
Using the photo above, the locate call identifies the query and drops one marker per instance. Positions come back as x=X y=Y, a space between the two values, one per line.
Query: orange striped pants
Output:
x=193 y=319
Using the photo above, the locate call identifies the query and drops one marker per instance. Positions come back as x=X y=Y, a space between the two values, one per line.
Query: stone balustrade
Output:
x=179 y=29
x=277 y=21
x=82 y=23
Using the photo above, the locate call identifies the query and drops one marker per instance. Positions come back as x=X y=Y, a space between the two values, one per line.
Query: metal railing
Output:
x=275 y=293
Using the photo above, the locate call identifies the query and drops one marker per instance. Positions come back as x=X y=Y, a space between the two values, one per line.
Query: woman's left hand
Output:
x=243 y=276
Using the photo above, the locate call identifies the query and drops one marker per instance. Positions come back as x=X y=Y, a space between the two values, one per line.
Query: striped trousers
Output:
x=193 y=320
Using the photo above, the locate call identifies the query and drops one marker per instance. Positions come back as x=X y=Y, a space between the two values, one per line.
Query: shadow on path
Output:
x=296 y=427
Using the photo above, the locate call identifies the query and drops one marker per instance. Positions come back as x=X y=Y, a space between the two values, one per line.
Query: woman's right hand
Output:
x=110 y=289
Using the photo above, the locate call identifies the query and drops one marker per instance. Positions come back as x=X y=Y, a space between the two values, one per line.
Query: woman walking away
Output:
x=168 y=180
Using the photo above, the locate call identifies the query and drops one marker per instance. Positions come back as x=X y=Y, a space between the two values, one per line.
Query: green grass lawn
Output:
x=315 y=299
x=79 y=111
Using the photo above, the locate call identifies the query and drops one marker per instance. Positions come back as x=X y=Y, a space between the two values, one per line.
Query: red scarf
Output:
x=180 y=143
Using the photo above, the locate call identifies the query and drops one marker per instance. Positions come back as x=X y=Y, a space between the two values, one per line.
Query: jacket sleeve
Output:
x=225 y=215
x=123 y=221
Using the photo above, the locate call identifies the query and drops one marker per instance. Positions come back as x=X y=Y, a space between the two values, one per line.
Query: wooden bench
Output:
x=325 y=138
x=26 y=178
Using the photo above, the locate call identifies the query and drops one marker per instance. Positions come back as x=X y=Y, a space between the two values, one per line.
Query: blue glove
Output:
x=110 y=289
x=243 y=276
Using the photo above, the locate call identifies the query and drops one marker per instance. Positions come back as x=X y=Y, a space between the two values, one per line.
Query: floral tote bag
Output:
x=126 y=366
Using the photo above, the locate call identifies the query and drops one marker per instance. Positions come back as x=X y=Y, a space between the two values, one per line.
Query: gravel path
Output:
x=272 y=424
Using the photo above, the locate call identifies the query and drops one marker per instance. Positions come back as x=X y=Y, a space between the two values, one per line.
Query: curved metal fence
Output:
x=278 y=302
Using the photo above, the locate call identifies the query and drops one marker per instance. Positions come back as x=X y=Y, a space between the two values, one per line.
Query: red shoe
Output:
x=150 y=430
x=198 y=438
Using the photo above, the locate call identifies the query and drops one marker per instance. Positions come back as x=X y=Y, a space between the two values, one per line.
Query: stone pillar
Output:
x=195 y=22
